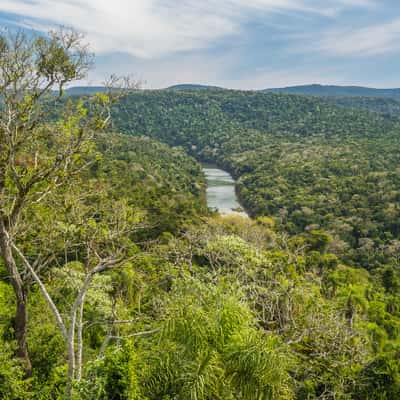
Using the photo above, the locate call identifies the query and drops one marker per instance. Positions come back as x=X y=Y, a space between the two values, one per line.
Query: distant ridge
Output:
x=306 y=90
x=84 y=90
x=336 y=91
x=88 y=90
x=190 y=86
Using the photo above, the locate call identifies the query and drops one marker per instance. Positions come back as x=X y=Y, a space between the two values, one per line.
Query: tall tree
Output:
x=37 y=154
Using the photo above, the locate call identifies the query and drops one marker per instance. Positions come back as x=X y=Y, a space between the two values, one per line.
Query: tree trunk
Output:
x=20 y=326
x=71 y=367
x=80 y=343
x=21 y=297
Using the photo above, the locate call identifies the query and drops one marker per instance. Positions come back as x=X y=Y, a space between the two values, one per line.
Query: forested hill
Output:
x=337 y=91
x=307 y=90
x=306 y=162
x=388 y=107
x=179 y=113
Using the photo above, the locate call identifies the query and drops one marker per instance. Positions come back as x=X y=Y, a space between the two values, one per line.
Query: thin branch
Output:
x=138 y=334
x=108 y=322
x=42 y=288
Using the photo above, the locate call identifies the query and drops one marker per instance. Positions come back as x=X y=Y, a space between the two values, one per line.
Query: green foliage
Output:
x=381 y=377
x=12 y=383
x=210 y=349
x=301 y=302
x=114 y=377
x=257 y=369
x=165 y=183
x=308 y=163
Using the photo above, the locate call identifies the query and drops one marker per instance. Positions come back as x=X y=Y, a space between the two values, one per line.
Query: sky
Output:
x=240 y=44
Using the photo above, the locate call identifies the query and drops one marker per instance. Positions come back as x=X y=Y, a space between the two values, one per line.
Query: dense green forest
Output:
x=388 y=107
x=117 y=282
x=307 y=163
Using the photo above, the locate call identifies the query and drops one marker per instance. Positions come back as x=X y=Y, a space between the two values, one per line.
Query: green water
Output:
x=221 y=194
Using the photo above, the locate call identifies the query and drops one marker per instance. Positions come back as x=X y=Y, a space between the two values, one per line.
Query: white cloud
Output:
x=155 y=28
x=365 y=41
x=359 y=3
x=140 y=27
x=186 y=68
x=216 y=70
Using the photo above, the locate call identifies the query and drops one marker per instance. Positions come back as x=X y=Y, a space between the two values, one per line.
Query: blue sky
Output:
x=245 y=44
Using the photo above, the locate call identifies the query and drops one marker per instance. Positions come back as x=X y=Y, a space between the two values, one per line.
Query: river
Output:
x=221 y=193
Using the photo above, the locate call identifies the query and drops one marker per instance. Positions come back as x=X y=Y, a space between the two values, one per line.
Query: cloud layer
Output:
x=155 y=28
x=233 y=43
x=368 y=40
